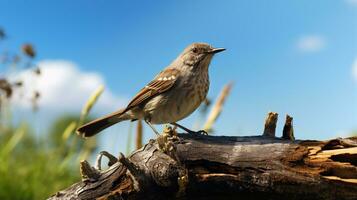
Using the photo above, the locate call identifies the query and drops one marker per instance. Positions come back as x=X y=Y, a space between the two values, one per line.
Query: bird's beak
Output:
x=216 y=50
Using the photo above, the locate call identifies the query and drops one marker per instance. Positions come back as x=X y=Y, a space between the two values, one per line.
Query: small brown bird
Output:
x=172 y=95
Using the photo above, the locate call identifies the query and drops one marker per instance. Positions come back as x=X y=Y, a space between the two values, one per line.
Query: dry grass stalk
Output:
x=91 y=101
x=139 y=135
x=13 y=141
x=2 y=34
x=69 y=130
x=129 y=140
x=28 y=50
x=217 y=107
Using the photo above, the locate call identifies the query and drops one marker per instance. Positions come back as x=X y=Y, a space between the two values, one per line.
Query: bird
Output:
x=173 y=94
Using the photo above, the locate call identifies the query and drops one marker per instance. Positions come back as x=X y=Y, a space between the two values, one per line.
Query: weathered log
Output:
x=187 y=166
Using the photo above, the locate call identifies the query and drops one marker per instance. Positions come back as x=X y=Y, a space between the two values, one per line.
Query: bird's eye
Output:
x=194 y=50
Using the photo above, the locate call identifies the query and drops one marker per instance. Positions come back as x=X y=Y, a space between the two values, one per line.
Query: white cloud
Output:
x=354 y=69
x=64 y=88
x=352 y=2
x=311 y=43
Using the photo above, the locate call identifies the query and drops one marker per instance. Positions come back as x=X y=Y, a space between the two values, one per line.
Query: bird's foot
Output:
x=200 y=132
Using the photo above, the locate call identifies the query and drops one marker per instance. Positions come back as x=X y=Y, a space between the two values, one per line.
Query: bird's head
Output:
x=198 y=54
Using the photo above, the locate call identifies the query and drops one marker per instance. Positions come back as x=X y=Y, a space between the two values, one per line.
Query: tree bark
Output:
x=187 y=166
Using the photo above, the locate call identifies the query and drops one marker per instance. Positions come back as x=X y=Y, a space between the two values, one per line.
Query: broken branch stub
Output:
x=270 y=124
x=288 y=131
x=88 y=172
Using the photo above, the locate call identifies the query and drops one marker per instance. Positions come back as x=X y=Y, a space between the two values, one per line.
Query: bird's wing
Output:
x=161 y=83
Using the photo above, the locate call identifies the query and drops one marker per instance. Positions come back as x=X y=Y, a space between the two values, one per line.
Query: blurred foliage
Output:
x=13 y=62
x=29 y=166
x=62 y=133
x=36 y=167
x=32 y=165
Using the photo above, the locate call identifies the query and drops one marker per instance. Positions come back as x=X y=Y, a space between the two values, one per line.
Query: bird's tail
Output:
x=95 y=126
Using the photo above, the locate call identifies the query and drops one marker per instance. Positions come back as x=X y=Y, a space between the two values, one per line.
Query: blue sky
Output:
x=291 y=57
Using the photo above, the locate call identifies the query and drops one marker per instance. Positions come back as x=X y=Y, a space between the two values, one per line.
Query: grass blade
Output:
x=90 y=103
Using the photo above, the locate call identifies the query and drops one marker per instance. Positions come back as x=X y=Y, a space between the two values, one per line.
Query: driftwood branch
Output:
x=183 y=166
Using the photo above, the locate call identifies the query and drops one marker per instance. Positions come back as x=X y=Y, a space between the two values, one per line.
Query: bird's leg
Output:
x=152 y=127
x=203 y=132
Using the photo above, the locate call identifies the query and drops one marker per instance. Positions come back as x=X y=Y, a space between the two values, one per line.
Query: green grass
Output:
x=30 y=168
x=35 y=168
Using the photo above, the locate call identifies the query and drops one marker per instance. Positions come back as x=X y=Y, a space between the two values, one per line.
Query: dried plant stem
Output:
x=69 y=130
x=129 y=141
x=90 y=103
x=13 y=141
x=139 y=135
x=217 y=108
